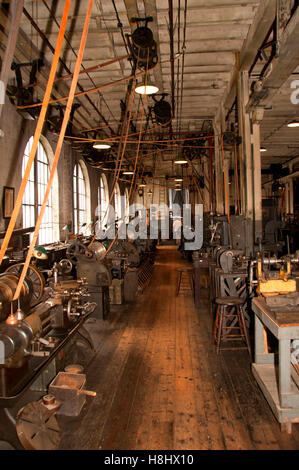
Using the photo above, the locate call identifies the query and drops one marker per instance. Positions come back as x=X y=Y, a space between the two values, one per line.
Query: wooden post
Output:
x=207 y=189
x=291 y=192
x=246 y=163
x=257 y=117
x=219 y=199
x=226 y=180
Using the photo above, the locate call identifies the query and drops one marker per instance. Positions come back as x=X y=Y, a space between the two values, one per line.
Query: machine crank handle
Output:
x=87 y=392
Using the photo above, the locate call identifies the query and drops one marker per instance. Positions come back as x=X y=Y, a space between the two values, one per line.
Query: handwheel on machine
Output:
x=36 y=278
x=65 y=265
x=74 y=251
x=37 y=427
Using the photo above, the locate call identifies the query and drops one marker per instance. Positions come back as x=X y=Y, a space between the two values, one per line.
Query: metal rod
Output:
x=170 y=12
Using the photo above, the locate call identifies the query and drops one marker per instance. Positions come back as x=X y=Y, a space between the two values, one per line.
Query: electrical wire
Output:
x=120 y=25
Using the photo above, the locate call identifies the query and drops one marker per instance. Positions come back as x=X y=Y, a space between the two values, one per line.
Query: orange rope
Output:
x=37 y=133
x=58 y=148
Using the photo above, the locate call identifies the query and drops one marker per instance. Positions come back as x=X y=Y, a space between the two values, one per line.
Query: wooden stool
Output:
x=190 y=274
x=228 y=319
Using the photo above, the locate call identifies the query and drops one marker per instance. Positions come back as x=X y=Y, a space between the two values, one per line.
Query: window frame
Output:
x=35 y=190
x=117 y=203
x=102 y=212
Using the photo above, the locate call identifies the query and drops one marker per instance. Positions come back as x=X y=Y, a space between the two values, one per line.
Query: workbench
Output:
x=277 y=377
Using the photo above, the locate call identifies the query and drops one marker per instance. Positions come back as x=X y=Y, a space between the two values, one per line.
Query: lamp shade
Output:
x=294 y=123
x=146 y=87
x=101 y=144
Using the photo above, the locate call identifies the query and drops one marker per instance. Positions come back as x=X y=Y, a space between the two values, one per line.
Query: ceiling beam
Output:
x=262 y=22
x=281 y=67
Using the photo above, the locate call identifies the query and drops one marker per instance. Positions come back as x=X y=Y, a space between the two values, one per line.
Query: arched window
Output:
x=81 y=201
x=103 y=199
x=34 y=195
x=127 y=204
x=117 y=202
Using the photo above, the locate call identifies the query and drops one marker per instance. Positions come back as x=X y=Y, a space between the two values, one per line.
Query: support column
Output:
x=291 y=192
x=219 y=199
x=211 y=173
x=287 y=199
x=226 y=181
x=246 y=163
x=257 y=117
x=206 y=191
x=242 y=180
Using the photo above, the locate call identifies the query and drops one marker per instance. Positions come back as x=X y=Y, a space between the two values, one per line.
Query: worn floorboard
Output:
x=160 y=384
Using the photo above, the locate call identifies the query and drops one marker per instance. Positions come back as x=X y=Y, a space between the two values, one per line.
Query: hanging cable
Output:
x=120 y=25
x=38 y=131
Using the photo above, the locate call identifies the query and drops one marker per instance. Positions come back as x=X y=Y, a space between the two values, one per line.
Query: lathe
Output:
x=33 y=331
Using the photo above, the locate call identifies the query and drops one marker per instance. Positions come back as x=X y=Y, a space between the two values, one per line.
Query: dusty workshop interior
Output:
x=149 y=258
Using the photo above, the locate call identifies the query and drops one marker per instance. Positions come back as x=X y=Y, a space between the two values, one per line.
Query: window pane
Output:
x=46 y=233
x=80 y=203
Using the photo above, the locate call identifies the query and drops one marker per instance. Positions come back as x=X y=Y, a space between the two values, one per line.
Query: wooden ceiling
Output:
x=205 y=42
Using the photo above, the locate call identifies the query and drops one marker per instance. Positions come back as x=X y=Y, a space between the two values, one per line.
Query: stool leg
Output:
x=191 y=282
x=219 y=332
x=179 y=283
x=216 y=326
x=244 y=328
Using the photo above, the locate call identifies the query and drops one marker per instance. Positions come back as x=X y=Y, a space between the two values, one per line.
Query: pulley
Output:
x=144 y=47
x=162 y=110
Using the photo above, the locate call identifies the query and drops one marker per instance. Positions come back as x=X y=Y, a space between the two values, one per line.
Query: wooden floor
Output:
x=161 y=386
